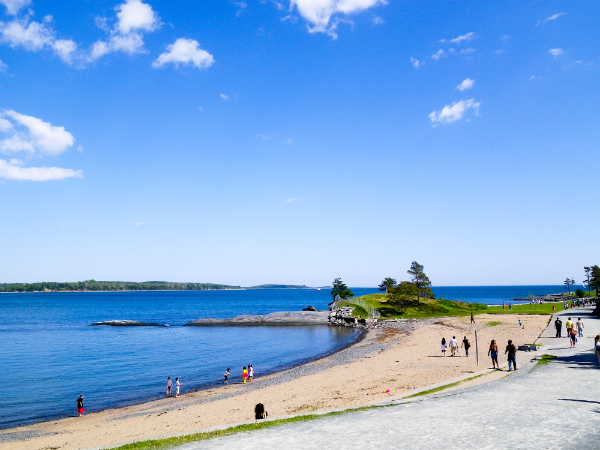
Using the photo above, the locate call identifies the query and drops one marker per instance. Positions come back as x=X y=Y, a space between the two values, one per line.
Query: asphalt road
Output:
x=551 y=406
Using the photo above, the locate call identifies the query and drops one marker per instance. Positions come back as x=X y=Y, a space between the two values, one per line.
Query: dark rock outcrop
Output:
x=309 y=308
x=127 y=323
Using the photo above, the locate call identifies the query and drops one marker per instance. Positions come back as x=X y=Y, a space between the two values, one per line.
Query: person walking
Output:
x=569 y=325
x=597 y=347
x=453 y=346
x=493 y=353
x=472 y=318
x=579 y=325
x=443 y=345
x=245 y=374
x=573 y=337
x=177 y=386
x=466 y=344
x=226 y=376
x=558 y=325
x=512 y=355
x=80 y=405
x=250 y=372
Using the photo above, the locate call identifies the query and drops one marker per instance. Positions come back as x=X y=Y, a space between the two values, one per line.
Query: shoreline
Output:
x=400 y=360
x=193 y=388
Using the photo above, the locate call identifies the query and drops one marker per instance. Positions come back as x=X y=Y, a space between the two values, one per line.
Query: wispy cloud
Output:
x=439 y=54
x=13 y=6
x=466 y=51
x=377 y=20
x=225 y=97
x=138 y=224
x=556 y=51
x=241 y=6
x=263 y=137
x=12 y=170
x=3 y=67
x=454 y=112
x=416 y=63
x=289 y=200
x=289 y=141
x=457 y=40
x=505 y=38
x=466 y=84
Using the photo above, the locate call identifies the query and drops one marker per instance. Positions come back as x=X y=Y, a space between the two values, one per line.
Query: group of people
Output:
x=178 y=384
x=247 y=374
x=453 y=344
x=510 y=351
x=574 y=330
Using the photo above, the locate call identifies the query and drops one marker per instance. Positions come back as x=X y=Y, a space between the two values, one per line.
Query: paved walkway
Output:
x=551 y=406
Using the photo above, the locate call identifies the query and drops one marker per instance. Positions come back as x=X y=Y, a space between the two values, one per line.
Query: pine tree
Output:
x=339 y=288
x=420 y=280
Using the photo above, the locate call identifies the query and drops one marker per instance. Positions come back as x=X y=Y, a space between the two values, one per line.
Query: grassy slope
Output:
x=441 y=308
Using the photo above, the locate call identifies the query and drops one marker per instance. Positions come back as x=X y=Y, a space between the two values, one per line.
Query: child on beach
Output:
x=169 y=384
x=80 y=405
x=226 y=375
x=244 y=374
x=443 y=345
x=250 y=372
x=493 y=353
x=177 y=385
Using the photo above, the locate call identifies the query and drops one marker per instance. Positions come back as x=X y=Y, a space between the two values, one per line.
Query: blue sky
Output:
x=293 y=142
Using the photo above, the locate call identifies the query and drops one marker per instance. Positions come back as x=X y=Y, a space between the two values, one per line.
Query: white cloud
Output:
x=415 y=62
x=3 y=67
x=263 y=137
x=378 y=20
x=11 y=171
x=505 y=38
x=533 y=77
x=185 y=51
x=241 y=6
x=466 y=51
x=439 y=54
x=201 y=108
x=556 y=51
x=35 y=36
x=133 y=18
x=13 y=6
x=289 y=200
x=554 y=16
x=39 y=135
x=292 y=19
x=498 y=52
x=466 y=84
x=464 y=38
x=225 y=97
x=34 y=137
x=137 y=224
x=324 y=15
x=454 y=112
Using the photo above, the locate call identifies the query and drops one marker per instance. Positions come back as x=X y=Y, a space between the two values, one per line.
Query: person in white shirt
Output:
x=453 y=346
x=579 y=325
x=177 y=384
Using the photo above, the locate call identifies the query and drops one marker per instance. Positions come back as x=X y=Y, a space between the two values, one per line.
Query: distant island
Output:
x=107 y=286
x=279 y=286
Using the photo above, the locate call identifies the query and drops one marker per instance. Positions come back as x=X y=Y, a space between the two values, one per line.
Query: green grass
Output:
x=545 y=359
x=446 y=386
x=160 y=444
x=358 y=310
x=545 y=308
x=426 y=308
x=493 y=324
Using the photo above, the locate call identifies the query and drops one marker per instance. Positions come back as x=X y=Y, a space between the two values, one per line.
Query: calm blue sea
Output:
x=49 y=354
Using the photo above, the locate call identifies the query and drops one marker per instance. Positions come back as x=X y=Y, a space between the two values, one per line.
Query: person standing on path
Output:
x=493 y=353
x=169 y=384
x=512 y=355
x=443 y=345
x=453 y=346
x=569 y=325
x=579 y=325
x=177 y=385
x=472 y=320
x=80 y=405
x=558 y=325
x=466 y=344
x=226 y=375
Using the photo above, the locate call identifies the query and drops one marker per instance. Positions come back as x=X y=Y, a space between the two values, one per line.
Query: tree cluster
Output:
x=93 y=285
x=408 y=293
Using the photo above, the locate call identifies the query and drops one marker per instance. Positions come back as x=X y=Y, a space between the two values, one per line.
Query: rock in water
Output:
x=309 y=308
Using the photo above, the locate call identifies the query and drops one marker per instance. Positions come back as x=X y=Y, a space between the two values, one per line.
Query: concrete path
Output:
x=551 y=406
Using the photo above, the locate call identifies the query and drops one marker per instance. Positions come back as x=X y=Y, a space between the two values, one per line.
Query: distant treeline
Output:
x=93 y=285
x=279 y=286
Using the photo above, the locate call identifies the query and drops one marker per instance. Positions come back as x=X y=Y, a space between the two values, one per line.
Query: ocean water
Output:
x=49 y=353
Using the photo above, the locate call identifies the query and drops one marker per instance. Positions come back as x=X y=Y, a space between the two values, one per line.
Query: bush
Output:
x=579 y=293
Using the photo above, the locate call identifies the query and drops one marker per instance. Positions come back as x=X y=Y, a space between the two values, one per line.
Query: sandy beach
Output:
x=396 y=359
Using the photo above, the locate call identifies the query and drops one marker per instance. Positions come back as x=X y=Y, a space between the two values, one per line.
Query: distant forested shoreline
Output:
x=106 y=286
x=93 y=285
